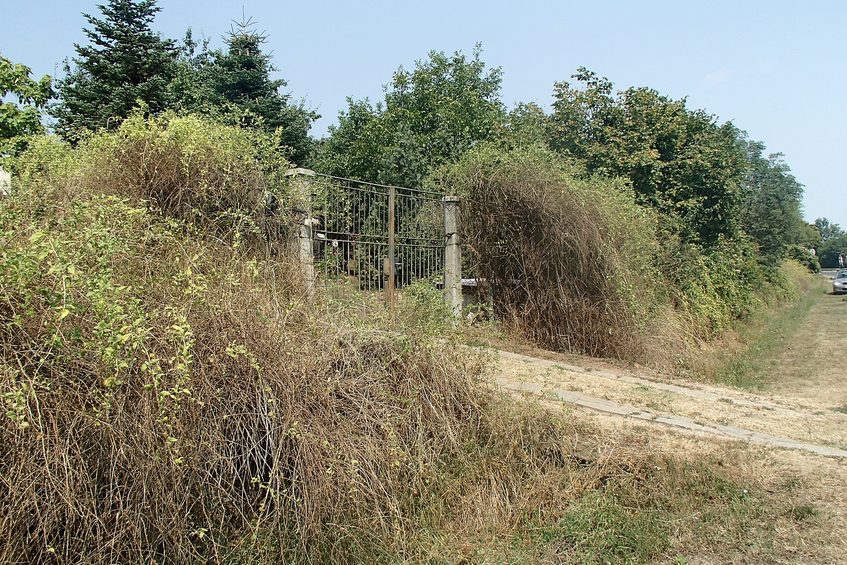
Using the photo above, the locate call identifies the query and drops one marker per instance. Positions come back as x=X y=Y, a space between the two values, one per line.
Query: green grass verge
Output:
x=764 y=335
x=661 y=511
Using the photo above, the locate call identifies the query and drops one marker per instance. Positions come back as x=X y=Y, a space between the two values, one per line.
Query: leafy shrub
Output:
x=424 y=307
x=801 y=254
x=714 y=287
x=717 y=287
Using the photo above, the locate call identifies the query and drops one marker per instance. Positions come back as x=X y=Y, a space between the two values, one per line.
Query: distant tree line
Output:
x=833 y=242
x=708 y=181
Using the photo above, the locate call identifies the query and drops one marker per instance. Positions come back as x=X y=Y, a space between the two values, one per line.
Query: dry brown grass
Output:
x=169 y=399
x=225 y=180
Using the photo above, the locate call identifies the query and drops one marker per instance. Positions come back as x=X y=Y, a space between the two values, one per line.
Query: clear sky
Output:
x=774 y=68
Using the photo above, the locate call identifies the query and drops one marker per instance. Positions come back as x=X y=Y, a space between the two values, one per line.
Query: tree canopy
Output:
x=771 y=208
x=125 y=64
x=21 y=117
x=679 y=161
x=828 y=230
x=430 y=116
x=235 y=86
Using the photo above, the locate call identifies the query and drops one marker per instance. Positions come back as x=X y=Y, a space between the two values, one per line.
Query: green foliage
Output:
x=21 y=118
x=191 y=89
x=125 y=65
x=679 y=161
x=830 y=249
x=424 y=308
x=803 y=255
x=430 y=116
x=46 y=159
x=601 y=529
x=771 y=207
x=235 y=85
x=526 y=125
x=717 y=286
x=833 y=242
x=128 y=66
x=828 y=230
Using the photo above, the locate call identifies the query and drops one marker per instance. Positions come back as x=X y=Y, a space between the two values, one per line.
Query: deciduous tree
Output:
x=430 y=116
x=828 y=230
x=20 y=117
x=679 y=161
x=771 y=207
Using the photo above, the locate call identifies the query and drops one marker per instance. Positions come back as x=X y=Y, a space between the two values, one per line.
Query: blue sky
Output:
x=776 y=69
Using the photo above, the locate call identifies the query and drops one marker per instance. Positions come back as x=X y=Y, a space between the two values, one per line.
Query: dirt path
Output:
x=692 y=409
x=801 y=408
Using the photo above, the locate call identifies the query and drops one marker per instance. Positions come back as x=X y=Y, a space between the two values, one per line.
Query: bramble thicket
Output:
x=170 y=397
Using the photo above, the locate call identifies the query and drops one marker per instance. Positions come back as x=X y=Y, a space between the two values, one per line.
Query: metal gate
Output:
x=374 y=238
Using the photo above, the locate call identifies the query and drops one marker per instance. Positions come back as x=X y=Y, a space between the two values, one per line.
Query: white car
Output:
x=839 y=282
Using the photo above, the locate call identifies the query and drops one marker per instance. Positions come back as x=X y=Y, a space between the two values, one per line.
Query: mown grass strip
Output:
x=764 y=335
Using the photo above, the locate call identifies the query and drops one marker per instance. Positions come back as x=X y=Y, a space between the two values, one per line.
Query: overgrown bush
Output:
x=166 y=399
x=802 y=255
x=572 y=263
x=712 y=288
x=569 y=262
x=424 y=309
x=715 y=288
x=225 y=180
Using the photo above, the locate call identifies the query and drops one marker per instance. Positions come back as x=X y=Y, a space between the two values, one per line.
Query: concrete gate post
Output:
x=301 y=191
x=452 y=255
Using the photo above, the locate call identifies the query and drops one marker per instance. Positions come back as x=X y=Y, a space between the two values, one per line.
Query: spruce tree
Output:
x=124 y=64
x=244 y=88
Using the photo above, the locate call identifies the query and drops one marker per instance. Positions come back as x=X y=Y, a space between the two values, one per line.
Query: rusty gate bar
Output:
x=390 y=287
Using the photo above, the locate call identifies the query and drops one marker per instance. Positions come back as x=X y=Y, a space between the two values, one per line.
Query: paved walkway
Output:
x=558 y=384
